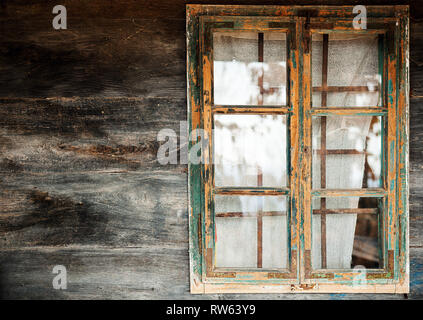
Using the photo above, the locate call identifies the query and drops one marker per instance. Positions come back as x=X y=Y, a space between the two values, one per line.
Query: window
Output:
x=302 y=183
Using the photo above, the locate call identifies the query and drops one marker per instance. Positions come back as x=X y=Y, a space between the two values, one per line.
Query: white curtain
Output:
x=352 y=61
x=247 y=144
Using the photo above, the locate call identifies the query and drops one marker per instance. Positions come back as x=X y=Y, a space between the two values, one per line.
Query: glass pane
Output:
x=249 y=68
x=352 y=232
x=250 y=150
x=250 y=226
x=348 y=156
x=352 y=61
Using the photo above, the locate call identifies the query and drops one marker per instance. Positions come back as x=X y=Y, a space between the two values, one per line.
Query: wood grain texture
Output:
x=80 y=185
x=151 y=272
x=118 y=49
x=85 y=171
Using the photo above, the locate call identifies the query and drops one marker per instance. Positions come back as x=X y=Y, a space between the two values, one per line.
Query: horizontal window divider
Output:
x=333 y=24
x=247 y=271
x=348 y=271
x=370 y=192
x=256 y=23
x=345 y=89
x=348 y=20
x=251 y=109
x=252 y=214
x=327 y=29
x=346 y=111
x=339 y=151
x=258 y=191
x=262 y=28
x=346 y=211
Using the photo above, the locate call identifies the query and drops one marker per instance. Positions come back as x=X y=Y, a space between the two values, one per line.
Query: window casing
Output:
x=299 y=212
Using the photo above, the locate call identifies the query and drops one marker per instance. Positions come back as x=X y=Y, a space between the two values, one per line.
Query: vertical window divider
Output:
x=305 y=89
x=323 y=149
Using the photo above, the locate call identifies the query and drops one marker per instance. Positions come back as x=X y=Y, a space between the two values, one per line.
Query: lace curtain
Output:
x=250 y=150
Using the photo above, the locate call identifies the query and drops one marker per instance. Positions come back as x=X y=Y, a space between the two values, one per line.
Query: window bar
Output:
x=324 y=88
x=259 y=221
x=281 y=213
x=323 y=150
x=260 y=59
x=340 y=151
x=259 y=171
x=249 y=214
x=373 y=111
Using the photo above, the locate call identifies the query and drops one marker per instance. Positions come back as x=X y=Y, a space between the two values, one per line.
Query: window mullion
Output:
x=298 y=142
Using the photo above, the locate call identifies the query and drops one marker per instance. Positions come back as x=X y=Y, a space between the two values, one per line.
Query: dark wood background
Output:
x=80 y=185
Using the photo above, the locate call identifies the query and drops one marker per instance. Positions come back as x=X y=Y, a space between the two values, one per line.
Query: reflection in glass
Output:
x=249 y=148
x=249 y=68
x=247 y=227
x=348 y=156
x=352 y=61
x=352 y=232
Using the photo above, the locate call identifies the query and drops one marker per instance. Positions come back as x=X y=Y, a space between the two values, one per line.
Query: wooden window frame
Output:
x=299 y=22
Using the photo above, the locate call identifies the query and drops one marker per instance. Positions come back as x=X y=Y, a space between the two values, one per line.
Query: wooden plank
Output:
x=416 y=171
x=207 y=173
x=346 y=211
x=249 y=214
x=115 y=209
x=305 y=184
x=86 y=134
x=338 y=151
x=251 y=191
x=402 y=265
x=194 y=169
x=291 y=9
x=134 y=273
x=370 y=192
x=80 y=170
x=332 y=25
x=281 y=213
x=416 y=59
x=325 y=88
x=250 y=109
x=250 y=23
x=259 y=241
x=111 y=273
x=391 y=148
x=348 y=111
x=107 y=51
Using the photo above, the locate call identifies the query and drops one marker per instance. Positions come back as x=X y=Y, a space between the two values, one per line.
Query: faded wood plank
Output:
x=89 y=134
x=416 y=59
x=416 y=172
x=113 y=49
x=139 y=273
x=113 y=209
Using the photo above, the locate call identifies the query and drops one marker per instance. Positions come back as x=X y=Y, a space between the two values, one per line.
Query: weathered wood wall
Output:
x=80 y=185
